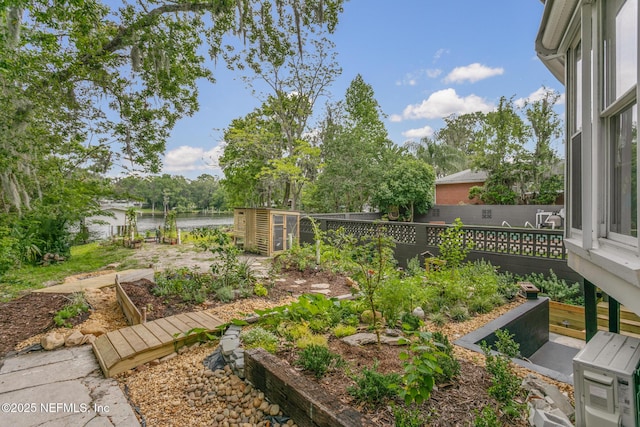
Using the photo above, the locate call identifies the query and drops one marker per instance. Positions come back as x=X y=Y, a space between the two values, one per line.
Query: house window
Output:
x=620 y=117
x=620 y=49
x=624 y=172
x=575 y=127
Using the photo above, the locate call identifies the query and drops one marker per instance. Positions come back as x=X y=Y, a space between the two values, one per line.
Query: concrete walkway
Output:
x=64 y=387
x=96 y=282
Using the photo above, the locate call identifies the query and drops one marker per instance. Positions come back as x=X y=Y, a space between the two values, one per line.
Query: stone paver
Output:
x=64 y=387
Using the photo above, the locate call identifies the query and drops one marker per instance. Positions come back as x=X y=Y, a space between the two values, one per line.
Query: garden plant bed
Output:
x=159 y=390
x=291 y=283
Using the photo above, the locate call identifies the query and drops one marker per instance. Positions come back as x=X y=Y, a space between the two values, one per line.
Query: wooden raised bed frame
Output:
x=131 y=312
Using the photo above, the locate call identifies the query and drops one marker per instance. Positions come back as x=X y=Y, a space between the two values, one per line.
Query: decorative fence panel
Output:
x=519 y=250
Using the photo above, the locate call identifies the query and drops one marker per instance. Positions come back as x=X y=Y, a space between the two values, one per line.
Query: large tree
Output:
x=96 y=84
x=407 y=188
x=355 y=151
x=86 y=85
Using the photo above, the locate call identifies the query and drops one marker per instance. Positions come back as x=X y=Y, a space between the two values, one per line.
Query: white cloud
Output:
x=444 y=103
x=186 y=158
x=418 y=133
x=537 y=96
x=472 y=73
x=433 y=72
x=439 y=54
x=395 y=118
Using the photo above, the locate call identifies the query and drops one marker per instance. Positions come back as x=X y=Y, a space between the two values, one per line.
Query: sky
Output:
x=424 y=59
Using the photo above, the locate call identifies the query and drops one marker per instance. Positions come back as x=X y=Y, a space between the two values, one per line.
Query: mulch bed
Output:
x=141 y=295
x=29 y=315
x=455 y=404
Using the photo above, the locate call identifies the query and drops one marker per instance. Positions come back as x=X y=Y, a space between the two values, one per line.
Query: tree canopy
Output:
x=96 y=85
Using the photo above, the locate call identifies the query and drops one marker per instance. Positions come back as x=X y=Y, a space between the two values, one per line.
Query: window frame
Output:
x=611 y=108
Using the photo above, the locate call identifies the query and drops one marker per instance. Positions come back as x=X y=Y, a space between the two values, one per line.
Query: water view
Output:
x=185 y=221
x=149 y=222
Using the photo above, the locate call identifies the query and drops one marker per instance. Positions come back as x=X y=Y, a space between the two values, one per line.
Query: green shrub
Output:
x=260 y=290
x=453 y=248
x=76 y=306
x=446 y=360
x=505 y=343
x=225 y=294
x=259 y=337
x=188 y=284
x=373 y=387
x=480 y=304
x=459 y=313
x=407 y=417
x=319 y=360
x=438 y=318
x=293 y=331
x=486 y=418
x=311 y=340
x=420 y=367
x=410 y=322
x=344 y=330
x=557 y=289
x=505 y=384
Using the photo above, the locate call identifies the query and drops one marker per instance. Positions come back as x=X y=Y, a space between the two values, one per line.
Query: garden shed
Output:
x=267 y=231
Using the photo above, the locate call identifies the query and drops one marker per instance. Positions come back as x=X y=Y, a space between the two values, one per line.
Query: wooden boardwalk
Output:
x=126 y=348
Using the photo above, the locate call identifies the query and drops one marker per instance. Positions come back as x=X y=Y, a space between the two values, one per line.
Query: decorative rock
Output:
x=93 y=330
x=320 y=286
x=352 y=283
x=274 y=410
x=88 y=339
x=52 y=341
x=74 y=339
x=364 y=338
x=418 y=312
x=367 y=316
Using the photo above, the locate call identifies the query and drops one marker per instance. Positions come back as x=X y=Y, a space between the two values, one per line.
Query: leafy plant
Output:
x=505 y=384
x=77 y=305
x=410 y=322
x=373 y=387
x=319 y=360
x=311 y=340
x=486 y=418
x=453 y=247
x=420 y=367
x=225 y=294
x=260 y=290
x=344 y=330
x=407 y=417
x=445 y=358
x=459 y=313
x=438 y=318
x=188 y=284
x=557 y=289
x=373 y=258
x=259 y=337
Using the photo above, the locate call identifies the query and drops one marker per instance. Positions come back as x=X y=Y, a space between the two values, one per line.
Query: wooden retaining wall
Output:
x=300 y=398
x=568 y=320
x=131 y=312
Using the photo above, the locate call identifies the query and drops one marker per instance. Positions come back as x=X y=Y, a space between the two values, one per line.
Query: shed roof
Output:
x=463 y=177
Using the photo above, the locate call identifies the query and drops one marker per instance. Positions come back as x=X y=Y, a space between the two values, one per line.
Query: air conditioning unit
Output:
x=606 y=381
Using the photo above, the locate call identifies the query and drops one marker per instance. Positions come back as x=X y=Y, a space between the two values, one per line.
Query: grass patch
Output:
x=84 y=259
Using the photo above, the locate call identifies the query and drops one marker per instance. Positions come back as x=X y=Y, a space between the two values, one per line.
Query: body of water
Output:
x=185 y=222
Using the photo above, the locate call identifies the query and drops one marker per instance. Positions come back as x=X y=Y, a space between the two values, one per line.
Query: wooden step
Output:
x=124 y=349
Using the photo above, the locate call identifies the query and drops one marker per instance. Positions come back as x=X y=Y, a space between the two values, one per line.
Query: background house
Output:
x=454 y=189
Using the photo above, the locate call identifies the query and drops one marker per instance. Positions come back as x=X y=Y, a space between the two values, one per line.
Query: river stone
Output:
x=52 y=340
